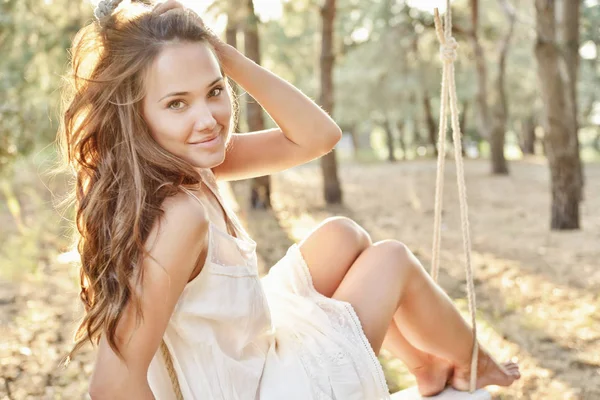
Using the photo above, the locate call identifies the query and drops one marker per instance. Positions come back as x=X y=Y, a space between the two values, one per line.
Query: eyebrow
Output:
x=186 y=93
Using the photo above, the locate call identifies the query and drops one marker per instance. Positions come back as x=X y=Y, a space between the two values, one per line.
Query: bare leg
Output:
x=432 y=373
x=420 y=330
x=330 y=250
x=387 y=282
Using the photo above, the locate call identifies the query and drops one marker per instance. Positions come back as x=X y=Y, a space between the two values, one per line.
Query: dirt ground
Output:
x=537 y=291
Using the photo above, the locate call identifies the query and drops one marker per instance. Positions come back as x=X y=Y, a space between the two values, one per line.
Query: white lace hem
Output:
x=358 y=335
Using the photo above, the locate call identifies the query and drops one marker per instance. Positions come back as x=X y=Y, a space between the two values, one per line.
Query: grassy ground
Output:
x=537 y=290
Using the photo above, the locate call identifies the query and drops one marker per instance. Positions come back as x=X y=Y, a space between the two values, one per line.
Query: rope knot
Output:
x=448 y=50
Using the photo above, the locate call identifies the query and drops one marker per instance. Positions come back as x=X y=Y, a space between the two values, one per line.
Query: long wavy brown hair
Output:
x=122 y=174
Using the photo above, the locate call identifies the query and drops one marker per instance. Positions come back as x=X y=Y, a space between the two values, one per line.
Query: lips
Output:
x=208 y=139
x=205 y=140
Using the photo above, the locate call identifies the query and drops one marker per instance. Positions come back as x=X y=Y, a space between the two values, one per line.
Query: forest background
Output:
x=528 y=81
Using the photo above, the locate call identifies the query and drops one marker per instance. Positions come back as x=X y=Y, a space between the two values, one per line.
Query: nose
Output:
x=204 y=119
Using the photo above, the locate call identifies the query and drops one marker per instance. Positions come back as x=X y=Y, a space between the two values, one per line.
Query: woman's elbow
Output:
x=333 y=136
x=105 y=392
x=95 y=392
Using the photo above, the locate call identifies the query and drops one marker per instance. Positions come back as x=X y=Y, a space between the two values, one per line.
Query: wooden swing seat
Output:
x=448 y=394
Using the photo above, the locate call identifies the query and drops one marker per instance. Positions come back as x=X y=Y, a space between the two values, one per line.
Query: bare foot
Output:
x=488 y=373
x=433 y=376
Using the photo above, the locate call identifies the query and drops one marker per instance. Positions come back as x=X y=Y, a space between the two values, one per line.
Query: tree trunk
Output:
x=483 y=114
x=353 y=129
x=596 y=142
x=231 y=32
x=570 y=39
x=528 y=135
x=462 y=123
x=561 y=143
x=497 y=141
x=260 y=196
x=418 y=137
x=402 y=138
x=389 y=139
x=331 y=184
x=416 y=123
x=430 y=122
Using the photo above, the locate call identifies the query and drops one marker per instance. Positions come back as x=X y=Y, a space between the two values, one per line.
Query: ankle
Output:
x=424 y=361
x=483 y=359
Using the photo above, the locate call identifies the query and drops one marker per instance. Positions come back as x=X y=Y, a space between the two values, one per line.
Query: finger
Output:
x=161 y=8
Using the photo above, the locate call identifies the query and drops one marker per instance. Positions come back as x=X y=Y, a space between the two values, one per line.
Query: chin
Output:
x=209 y=161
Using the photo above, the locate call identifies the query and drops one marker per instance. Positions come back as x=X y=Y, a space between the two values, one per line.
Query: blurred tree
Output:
x=589 y=81
x=500 y=107
x=561 y=146
x=483 y=110
x=492 y=119
x=389 y=138
x=331 y=184
x=231 y=38
x=527 y=139
x=260 y=196
x=570 y=10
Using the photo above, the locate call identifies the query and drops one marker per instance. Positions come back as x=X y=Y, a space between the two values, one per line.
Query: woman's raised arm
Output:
x=305 y=131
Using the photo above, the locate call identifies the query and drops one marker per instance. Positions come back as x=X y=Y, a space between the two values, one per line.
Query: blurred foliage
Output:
x=36 y=226
x=386 y=61
x=34 y=38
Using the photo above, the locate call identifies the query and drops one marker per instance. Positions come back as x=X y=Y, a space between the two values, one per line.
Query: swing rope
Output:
x=448 y=46
x=171 y=370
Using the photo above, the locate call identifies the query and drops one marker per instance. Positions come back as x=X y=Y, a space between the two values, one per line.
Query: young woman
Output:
x=147 y=130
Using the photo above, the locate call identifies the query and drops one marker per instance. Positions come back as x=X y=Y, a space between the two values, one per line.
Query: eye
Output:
x=176 y=105
x=215 y=92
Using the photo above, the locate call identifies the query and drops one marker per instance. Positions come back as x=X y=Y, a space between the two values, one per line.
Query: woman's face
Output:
x=187 y=106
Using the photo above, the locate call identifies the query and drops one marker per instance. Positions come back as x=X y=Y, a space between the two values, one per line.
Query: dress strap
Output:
x=232 y=227
x=233 y=223
x=188 y=191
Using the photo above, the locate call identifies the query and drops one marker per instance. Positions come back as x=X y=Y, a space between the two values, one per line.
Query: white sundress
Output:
x=236 y=336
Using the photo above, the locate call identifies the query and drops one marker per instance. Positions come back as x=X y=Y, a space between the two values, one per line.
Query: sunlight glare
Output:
x=588 y=50
x=428 y=5
x=301 y=226
x=266 y=10
x=360 y=35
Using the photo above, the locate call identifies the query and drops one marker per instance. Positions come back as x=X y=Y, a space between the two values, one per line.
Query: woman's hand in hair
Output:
x=161 y=8
x=170 y=5
x=221 y=48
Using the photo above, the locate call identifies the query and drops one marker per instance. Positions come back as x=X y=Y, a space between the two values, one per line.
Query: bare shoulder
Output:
x=182 y=205
x=182 y=214
x=178 y=236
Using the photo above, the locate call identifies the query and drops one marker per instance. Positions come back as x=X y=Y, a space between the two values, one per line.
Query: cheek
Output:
x=166 y=130
x=224 y=112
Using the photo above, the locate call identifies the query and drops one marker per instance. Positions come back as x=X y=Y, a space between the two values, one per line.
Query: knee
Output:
x=394 y=248
x=397 y=251
x=348 y=231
